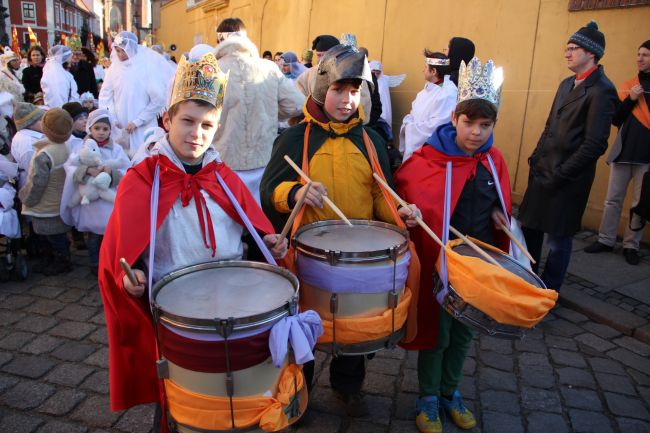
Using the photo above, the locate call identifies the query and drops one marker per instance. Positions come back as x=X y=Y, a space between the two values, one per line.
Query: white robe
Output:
x=9 y=224
x=94 y=216
x=136 y=91
x=432 y=107
x=58 y=85
x=22 y=150
x=179 y=242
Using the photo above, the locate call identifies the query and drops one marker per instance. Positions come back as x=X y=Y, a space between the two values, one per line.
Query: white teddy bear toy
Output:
x=95 y=187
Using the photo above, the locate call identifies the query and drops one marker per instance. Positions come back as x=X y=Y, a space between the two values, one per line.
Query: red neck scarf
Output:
x=585 y=74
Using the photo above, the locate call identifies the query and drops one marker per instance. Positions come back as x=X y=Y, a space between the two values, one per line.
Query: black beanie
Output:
x=646 y=45
x=324 y=43
x=460 y=49
x=591 y=39
x=75 y=109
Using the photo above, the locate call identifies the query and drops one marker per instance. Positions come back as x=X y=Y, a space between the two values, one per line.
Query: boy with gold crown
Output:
x=185 y=188
x=458 y=177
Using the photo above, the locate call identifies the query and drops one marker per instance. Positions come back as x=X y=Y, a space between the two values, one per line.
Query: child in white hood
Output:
x=92 y=217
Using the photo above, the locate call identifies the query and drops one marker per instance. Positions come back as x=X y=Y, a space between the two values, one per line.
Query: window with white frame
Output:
x=29 y=11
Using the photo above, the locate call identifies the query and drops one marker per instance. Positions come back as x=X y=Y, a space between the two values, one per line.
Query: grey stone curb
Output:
x=605 y=313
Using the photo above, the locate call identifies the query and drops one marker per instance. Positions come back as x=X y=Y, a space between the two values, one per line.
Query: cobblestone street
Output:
x=570 y=374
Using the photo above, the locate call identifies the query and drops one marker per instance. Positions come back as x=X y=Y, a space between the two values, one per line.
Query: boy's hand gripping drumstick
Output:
x=325 y=198
x=129 y=272
x=430 y=232
x=419 y=220
x=294 y=213
x=514 y=239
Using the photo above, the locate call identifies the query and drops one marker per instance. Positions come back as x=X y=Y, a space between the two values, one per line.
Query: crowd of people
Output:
x=169 y=166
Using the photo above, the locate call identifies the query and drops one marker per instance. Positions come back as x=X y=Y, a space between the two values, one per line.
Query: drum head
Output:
x=364 y=238
x=222 y=290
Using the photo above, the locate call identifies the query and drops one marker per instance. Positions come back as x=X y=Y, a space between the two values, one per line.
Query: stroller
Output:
x=13 y=263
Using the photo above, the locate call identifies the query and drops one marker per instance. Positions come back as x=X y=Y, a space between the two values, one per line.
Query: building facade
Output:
x=526 y=37
x=49 y=19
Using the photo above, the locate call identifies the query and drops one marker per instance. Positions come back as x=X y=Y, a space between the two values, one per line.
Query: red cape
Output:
x=132 y=346
x=421 y=180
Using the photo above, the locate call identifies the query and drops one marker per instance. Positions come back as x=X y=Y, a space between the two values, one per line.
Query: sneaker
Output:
x=631 y=256
x=597 y=247
x=456 y=410
x=428 y=415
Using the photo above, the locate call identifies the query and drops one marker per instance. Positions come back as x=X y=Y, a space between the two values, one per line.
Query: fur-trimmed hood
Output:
x=236 y=45
x=257 y=96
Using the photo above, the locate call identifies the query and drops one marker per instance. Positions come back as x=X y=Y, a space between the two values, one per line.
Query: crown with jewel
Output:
x=476 y=81
x=350 y=40
x=200 y=79
x=74 y=42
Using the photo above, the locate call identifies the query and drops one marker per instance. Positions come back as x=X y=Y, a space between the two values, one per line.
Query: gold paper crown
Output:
x=480 y=82
x=199 y=80
x=74 y=42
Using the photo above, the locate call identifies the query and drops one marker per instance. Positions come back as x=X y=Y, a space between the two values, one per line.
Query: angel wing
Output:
x=395 y=80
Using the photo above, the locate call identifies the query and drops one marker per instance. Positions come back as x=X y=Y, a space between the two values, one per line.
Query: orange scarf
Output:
x=640 y=110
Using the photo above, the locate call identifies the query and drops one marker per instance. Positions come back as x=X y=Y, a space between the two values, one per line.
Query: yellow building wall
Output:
x=526 y=37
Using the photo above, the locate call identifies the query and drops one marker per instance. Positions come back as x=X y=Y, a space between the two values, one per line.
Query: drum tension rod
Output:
x=225 y=328
x=334 y=308
x=392 y=299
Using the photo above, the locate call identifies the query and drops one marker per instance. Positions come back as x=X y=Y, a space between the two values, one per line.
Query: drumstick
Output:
x=294 y=213
x=129 y=272
x=326 y=199
x=399 y=199
x=514 y=239
x=475 y=247
x=429 y=231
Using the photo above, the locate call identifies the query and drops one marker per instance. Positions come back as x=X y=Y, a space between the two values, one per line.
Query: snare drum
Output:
x=462 y=311
x=352 y=273
x=213 y=322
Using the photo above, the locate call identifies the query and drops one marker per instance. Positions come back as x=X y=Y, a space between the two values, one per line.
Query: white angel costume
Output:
x=10 y=80
x=92 y=217
x=432 y=107
x=384 y=83
x=135 y=90
x=58 y=84
x=9 y=224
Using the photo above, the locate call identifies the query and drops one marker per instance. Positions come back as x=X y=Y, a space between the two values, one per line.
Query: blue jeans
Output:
x=60 y=244
x=93 y=244
x=557 y=260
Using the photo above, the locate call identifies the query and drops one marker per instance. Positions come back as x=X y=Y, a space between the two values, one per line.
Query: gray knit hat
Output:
x=590 y=38
x=26 y=114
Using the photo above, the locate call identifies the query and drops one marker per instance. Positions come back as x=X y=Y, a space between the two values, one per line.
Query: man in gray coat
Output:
x=563 y=165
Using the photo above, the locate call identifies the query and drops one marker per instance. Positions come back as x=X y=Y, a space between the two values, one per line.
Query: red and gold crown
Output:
x=199 y=80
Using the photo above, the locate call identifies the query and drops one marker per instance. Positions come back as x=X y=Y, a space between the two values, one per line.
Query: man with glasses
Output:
x=563 y=165
x=629 y=159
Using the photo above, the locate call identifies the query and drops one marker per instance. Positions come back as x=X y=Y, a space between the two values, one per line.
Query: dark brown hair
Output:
x=476 y=109
x=90 y=56
x=231 y=25
x=37 y=48
x=441 y=71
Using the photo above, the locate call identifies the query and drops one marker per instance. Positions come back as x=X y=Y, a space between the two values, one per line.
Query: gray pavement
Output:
x=584 y=369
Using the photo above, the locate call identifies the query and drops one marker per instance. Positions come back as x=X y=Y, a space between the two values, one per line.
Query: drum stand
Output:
x=367 y=347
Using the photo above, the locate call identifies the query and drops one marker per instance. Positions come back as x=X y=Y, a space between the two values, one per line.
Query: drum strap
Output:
x=247 y=222
x=444 y=275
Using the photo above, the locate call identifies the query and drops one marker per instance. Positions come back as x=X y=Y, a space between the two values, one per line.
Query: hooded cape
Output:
x=421 y=180
x=132 y=345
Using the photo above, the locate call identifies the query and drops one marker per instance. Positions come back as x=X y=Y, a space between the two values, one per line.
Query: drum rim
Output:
x=239 y=324
x=346 y=256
